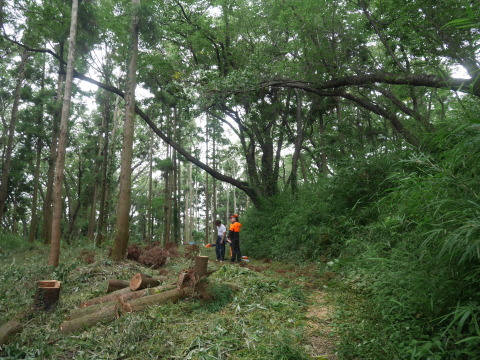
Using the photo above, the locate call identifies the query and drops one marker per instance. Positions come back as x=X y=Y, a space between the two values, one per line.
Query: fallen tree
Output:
x=114 y=285
x=122 y=298
x=141 y=281
x=106 y=298
x=111 y=306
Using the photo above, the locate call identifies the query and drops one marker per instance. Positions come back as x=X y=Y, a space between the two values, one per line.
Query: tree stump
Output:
x=140 y=281
x=114 y=285
x=200 y=267
x=47 y=295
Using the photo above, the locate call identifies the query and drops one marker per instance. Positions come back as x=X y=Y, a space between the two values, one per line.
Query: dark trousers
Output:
x=236 y=254
x=220 y=248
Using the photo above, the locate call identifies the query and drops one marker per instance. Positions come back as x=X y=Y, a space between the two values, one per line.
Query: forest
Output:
x=345 y=134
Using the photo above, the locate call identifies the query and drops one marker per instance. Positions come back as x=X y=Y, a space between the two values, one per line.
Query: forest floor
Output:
x=278 y=310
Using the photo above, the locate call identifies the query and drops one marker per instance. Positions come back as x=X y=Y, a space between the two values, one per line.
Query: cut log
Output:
x=200 y=266
x=145 y=292
x=122 y=298
x=105 y=298
x=114 y=285
x=157 y=299
x=47 y=294
x=8 y=330
x=108 y=312
x=141 y=281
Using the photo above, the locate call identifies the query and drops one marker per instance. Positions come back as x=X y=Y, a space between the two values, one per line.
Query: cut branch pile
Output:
x=141 y=293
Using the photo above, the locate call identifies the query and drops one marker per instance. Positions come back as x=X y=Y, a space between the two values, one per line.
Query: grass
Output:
x=264 y=319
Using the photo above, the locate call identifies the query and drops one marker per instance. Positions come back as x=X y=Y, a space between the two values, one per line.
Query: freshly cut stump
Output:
x=114 y=285
x=107 y=312
x=200 y=267
x=8 y=330
x=105 y=298
x=141 y=281
x=47 y=294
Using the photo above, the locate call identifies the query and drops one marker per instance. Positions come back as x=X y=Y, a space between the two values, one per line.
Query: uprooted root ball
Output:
x=156 y=257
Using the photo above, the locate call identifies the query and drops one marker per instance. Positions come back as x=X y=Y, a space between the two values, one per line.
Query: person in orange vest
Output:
x=234 y=238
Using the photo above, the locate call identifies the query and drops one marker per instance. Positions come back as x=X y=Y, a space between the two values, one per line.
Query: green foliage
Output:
x=405 y=228
x=322 y=214
x=10 y=242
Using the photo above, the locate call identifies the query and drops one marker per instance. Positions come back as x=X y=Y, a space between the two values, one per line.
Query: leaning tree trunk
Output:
x=123 y=211
x=11 y=133
x=62 y=144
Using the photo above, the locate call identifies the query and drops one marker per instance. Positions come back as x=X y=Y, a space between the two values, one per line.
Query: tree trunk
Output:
x=207 y=193
x=141 y=281
x=298 y=145
x=107 y=312
x=62 y=144
x=11 y=133
x=114 y=285
x=323 y=146
x=214 y=190
x=96 y=186
x=36 y=176
x=188 y=205
x=47 y=204
x=123 y=212
x=150 y=189
x=80 y=312
x=106 y=298
x=107 y=163
x=157 y=299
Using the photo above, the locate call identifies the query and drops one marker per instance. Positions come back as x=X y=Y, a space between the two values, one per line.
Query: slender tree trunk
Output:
x=97 y=184
x=105 y=158
x=192 y=202
x=150 y=189
x=123 y=212
x=228 y=201
x=14 y=213
x=186 y=220
x=62 y=144
x=176 y=216
x=11 y=133
x=167 y=206
x=47 y=204
x=36 y=176
x=298 y=145
x=207 y=194
x=324 y=168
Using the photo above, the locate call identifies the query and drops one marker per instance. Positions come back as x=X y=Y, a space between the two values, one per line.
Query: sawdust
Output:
x=320 y=333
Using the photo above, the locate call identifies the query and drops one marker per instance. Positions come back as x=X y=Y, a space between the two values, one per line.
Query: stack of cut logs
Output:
x=137 y=295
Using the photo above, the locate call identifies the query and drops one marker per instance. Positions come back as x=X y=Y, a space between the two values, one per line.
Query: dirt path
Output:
x=320 y=333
